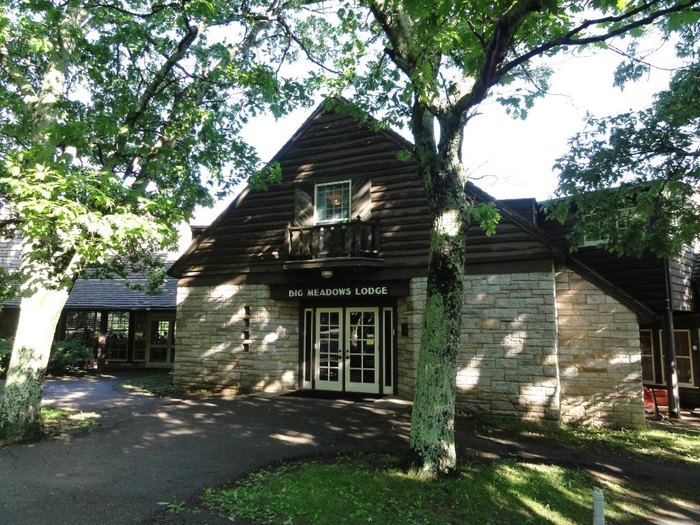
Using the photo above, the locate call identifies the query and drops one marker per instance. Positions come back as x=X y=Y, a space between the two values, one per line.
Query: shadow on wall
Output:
x=600 y=357
x=534 y=349
x=508 y=361
x=235 y=339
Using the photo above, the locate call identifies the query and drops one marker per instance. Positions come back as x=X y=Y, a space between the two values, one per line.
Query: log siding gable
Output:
x=248 y=239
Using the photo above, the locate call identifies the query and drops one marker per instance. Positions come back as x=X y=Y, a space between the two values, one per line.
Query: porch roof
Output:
x=105 y=294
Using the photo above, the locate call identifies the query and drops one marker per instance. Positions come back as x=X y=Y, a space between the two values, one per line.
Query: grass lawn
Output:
x=660 y=442
x=158 y=385
x=376 y=489
x=58 y=421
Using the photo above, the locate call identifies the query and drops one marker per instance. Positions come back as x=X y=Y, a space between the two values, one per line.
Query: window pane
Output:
x=117 y=335
x=160 y=332
x=646 y=346
x=83 y=326
x=333 y=202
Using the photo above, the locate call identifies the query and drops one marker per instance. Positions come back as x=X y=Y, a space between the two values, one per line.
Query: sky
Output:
x=512 y=158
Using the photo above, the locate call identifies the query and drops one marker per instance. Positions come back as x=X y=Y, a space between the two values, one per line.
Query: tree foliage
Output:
x=434 y=63
x=637 y=174
x=118 y=118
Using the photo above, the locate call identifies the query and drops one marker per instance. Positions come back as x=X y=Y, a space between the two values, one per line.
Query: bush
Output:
x=68 y=355
x=5 y=353
x=65 y=356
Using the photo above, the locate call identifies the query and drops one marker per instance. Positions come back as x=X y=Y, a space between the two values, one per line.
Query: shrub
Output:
x=5 y=353
x=67 y=355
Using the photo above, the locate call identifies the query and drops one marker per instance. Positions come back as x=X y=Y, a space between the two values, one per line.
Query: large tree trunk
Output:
x=432 y=421
x=20 y=416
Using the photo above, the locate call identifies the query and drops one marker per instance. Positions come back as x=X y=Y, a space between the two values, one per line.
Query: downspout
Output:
x=670 y=347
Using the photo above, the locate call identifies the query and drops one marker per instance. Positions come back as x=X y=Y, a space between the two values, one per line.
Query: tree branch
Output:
x=569 y=39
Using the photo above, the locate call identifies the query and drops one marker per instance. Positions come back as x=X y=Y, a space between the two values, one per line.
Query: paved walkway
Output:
x=152 y=450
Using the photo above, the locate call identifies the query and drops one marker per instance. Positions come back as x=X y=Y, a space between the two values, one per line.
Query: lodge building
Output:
x=319 y=283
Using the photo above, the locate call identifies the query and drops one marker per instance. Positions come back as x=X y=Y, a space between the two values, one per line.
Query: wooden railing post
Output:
x=349 y=239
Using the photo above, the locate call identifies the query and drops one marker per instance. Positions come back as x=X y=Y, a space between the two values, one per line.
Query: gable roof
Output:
x=331 y=139
x=248 y=237
x=561 y=252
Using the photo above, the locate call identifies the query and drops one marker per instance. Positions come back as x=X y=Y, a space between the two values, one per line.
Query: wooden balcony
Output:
x=353 y=243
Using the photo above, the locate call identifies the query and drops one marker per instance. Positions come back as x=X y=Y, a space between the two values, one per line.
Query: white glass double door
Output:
x=347 y=349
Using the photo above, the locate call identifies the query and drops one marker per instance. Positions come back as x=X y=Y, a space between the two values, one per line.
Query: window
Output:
x=598 y=237
x=646 y=343
x=83 y=326
x=332 y=202
x=117 y=336
x=684 y=357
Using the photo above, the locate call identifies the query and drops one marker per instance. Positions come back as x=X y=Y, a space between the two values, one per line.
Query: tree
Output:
x=638 y=175
x=118 y=117
x=641 y=170
x=440 y=61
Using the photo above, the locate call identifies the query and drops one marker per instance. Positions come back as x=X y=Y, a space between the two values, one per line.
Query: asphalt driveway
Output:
x=149 y=450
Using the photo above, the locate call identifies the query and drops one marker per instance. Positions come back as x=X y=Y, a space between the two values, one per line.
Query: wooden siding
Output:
x=249 y=237
x=247 y=242
x=642 y=277
x=508 y=245
x=681 y=282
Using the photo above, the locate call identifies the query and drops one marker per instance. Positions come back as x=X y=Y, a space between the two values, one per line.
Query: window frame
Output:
x=650 y=355
x=620 y=224
x=318 y=221
x=122 y=350
x=689 y=357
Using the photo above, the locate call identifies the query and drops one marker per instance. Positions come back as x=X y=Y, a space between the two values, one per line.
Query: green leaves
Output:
x=632 y=179
x=117 y=120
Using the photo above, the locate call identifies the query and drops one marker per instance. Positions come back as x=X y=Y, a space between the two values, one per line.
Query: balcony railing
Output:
x=340 y=240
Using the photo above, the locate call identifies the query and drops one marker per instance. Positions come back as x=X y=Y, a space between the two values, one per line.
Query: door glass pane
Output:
x=361 y=348
x=329 y=346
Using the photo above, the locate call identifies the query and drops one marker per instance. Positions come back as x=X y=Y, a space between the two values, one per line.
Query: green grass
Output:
x=59 y=421
x=375 y=489
x=158 y=385
x=668 y=444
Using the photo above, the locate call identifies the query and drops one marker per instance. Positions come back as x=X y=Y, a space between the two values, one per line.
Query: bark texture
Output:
x=20 y=408
x=432 y=422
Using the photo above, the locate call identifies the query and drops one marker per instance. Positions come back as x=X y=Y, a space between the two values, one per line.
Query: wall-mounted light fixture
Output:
x=326 y=274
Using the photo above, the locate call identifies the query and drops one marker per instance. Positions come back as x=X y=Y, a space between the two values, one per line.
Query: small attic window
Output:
x=332 y=202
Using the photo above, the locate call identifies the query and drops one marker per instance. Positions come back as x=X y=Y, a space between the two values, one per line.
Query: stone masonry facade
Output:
x=234 y=338
x=538 y=345
x=508 y=362
x=535 y=345
x=599 y=356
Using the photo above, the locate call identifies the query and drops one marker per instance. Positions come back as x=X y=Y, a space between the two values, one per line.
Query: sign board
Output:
x=375 y=290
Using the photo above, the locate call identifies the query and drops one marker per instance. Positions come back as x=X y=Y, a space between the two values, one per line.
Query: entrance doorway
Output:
x=160 y=350
x=349 y=349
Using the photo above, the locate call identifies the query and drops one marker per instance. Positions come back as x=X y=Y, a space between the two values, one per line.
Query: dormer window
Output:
x=332 y=202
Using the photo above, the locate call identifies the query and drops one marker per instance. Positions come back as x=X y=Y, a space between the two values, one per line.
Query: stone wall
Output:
x=212 y=350
x=537 y=345
x=600 y=359
x=508 y=362
x=409 y=312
